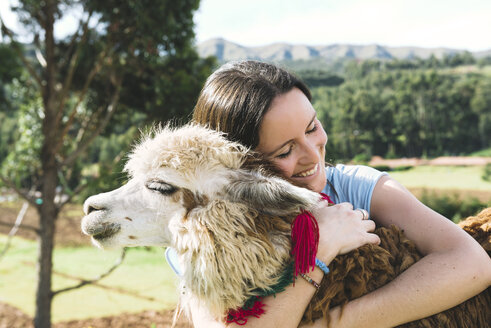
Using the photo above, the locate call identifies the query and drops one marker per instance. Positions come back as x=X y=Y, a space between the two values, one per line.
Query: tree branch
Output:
x=85 y=123
x=39 y=55
x=26 y=195
x=21 y=54
x=73 y=63
x=14 y=229
x=71 y=194
x=88 y=282
x=95 y=69
x=82 y=146
x=22 y=226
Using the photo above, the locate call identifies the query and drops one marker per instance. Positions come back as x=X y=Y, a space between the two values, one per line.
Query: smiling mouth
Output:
x=307 y=173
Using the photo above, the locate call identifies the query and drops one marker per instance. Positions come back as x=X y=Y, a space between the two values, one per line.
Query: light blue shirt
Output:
x=352 y=183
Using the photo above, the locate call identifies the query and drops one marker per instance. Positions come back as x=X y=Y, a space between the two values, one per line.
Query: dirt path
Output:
x=11 y=317
x=68 y=231
x=439 y=161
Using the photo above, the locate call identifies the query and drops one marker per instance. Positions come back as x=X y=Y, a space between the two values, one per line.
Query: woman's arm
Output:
x=340 y=230
x=454 y=267
x=283 y=311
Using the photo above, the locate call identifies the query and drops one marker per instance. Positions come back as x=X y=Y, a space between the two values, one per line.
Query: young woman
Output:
x=268 y=109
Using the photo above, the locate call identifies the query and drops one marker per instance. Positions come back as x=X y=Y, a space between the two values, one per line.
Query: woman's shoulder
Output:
x=352 y=183
x=343 y=171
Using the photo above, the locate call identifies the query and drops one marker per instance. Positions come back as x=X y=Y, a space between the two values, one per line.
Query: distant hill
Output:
x=225 y=51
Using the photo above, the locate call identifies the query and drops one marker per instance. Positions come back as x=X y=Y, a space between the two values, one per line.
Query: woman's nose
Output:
x=310 y=152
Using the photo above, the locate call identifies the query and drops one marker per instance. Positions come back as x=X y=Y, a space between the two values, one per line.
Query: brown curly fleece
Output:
x=370 y=267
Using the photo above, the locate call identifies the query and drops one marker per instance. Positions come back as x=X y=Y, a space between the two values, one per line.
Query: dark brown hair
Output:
x=236 y=97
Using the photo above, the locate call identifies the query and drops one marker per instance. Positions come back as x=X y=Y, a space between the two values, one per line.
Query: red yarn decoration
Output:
x=305 y=240
x=240 y=315
x=325 y=197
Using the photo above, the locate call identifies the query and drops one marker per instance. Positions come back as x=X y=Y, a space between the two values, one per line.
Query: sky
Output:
x=459 y=24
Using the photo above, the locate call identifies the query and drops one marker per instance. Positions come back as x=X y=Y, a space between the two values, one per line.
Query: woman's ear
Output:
x=269 y=195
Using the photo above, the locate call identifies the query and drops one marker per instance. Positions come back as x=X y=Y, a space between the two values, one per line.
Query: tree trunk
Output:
x=48 y=213
x=48 y=210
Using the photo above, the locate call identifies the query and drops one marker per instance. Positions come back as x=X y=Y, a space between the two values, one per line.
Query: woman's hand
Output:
x=342 y=229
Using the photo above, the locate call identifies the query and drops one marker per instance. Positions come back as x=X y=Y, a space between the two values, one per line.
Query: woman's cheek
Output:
x=286 y=166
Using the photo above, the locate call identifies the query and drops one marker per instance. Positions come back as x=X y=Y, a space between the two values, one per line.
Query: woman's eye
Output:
x=161 y=187
x=284 y=155
x=312 y=130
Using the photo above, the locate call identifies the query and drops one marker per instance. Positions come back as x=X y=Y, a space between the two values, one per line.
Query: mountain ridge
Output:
x=226 y=50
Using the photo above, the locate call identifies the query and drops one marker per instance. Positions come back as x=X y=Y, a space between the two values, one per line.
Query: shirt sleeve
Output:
x=352 y=183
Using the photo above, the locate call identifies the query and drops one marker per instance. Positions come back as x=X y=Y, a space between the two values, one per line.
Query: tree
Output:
x=124 y=56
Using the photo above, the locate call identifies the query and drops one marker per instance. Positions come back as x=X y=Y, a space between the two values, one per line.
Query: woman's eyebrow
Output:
x=287 y=142
x=312 y=120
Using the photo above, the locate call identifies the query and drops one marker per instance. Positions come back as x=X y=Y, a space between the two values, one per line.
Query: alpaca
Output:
x=229 y=219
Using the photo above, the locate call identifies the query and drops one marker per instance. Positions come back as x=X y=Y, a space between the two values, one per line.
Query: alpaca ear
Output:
x=269 y=195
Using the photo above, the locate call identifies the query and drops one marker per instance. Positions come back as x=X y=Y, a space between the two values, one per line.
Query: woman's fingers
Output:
x=372 y=238
x=344 y=229
x=364 y=213
x=346 y=205
x=369 y=225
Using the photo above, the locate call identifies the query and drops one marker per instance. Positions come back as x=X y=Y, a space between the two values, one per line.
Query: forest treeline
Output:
x=423 y=108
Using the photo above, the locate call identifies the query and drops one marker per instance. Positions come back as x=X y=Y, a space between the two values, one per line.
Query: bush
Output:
x=486 y=175
x=403 y=168
x=361 y=158
x=452 y=206
x=383 y=168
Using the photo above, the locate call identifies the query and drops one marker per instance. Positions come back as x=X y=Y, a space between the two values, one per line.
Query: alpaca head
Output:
x=189 y=188
x=174 y=172
x=171 y=171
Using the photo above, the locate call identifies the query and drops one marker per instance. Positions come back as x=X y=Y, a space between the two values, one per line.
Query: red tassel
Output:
x=305 y=240
x=240 y=315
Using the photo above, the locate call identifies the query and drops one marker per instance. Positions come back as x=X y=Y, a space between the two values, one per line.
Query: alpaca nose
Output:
x=90 y=206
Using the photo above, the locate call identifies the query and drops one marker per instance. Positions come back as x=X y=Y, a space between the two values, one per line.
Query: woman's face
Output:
x=291 y=136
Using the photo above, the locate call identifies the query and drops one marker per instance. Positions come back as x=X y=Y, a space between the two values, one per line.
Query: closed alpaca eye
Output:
x=161 y=187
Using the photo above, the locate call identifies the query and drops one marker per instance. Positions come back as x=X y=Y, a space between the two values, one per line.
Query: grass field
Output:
x=443 y=177
x=144 y=280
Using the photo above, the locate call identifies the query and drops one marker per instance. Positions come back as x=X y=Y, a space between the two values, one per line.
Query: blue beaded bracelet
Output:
x=321 y=265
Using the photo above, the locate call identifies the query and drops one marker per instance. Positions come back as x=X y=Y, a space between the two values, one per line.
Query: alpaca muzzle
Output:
x=99 y=230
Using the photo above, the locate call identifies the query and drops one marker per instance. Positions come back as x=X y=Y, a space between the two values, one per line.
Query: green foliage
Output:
x=386 y=168
x=415 y=112
x=22 y=165
x=140 y=59
x=362 y=158
x=454 y=206
x=402 y=168
x=486 y=175
x=315 y=78
x=383 y=168
x=482 y=153
x=10 y=71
